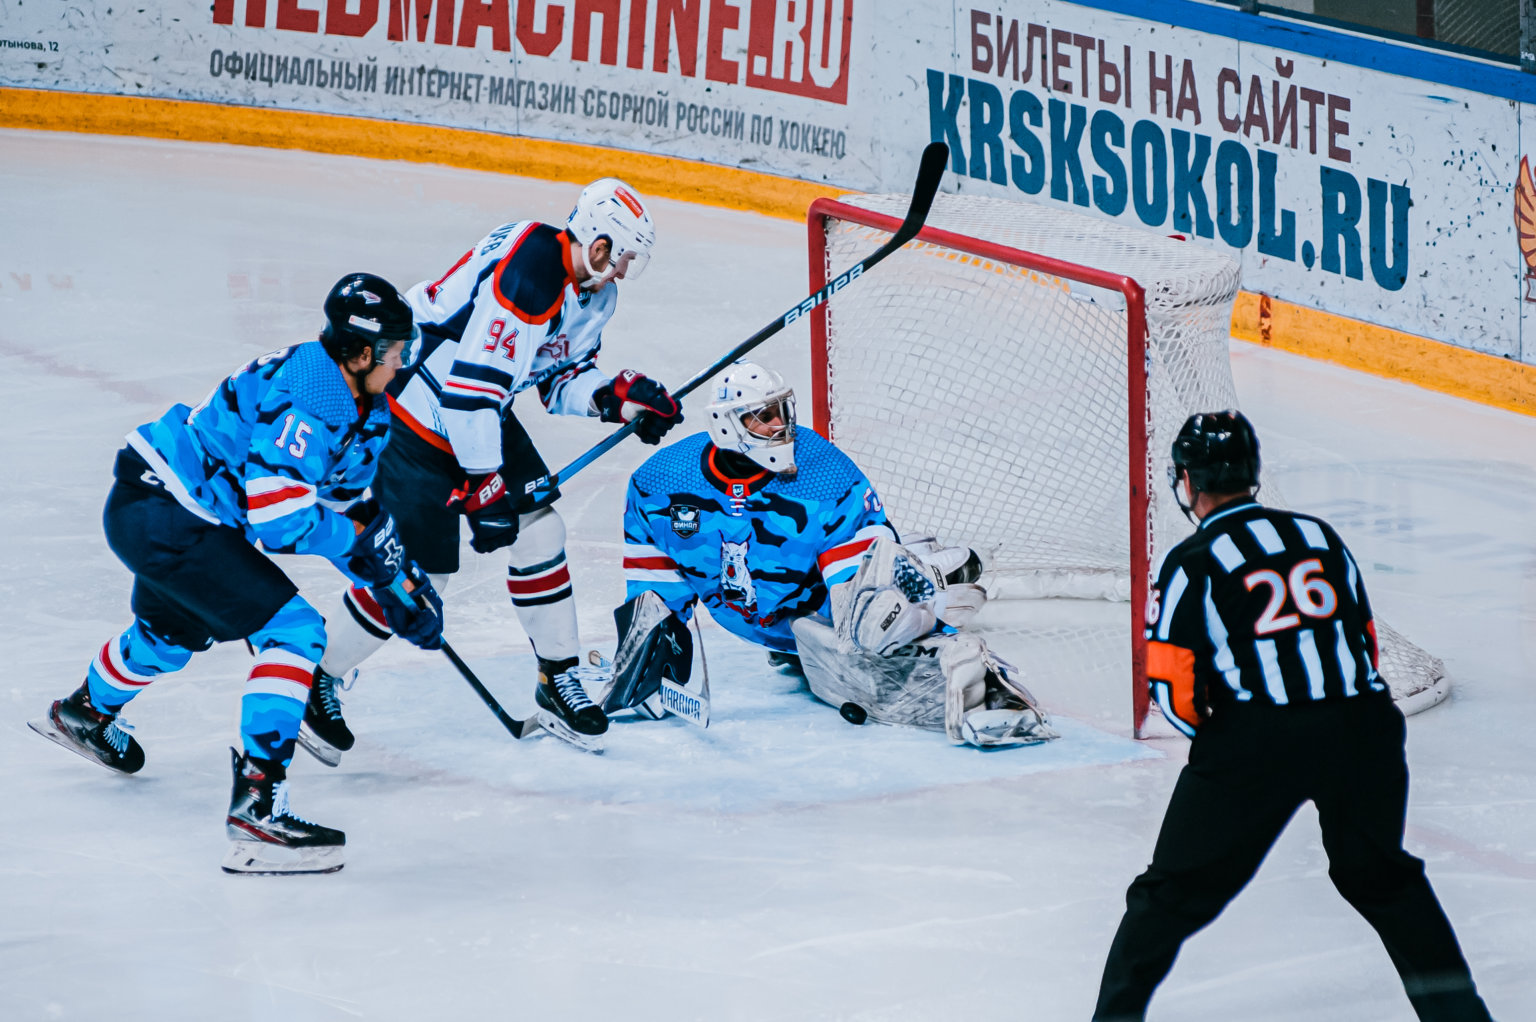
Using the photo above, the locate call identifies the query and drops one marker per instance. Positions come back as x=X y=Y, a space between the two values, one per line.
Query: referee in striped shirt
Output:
x=1261 y=648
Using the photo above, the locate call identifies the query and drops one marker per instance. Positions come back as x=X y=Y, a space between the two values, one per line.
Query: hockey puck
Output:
x=853 y=713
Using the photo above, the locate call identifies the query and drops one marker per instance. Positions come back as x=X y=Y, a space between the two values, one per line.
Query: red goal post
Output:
x=1025 y=404
x=1139 y=466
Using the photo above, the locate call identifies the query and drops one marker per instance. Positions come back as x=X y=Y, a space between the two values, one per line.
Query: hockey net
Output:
x=1024 y=404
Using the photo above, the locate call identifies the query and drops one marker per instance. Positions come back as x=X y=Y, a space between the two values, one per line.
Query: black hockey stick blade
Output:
x=517 y=728
x=930 y=171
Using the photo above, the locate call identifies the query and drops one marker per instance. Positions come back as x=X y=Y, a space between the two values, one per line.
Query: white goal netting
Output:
x=990 y=398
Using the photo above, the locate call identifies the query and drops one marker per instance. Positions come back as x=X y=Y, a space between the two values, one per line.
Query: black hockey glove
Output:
x=492 y=518
x=631 y=395
x=417 y=616
x=377 y=555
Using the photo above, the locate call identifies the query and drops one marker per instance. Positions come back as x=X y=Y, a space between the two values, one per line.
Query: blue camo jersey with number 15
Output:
x=759 y=551
x=278 y=450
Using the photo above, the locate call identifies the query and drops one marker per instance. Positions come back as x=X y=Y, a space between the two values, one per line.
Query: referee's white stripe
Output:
x=1225 y=662
x=1176 y=587
x=1306 y=644
x=1312 y=533
x=1268 y=538
x=1227 y=553
x=1269 y=663
x=1346 y=660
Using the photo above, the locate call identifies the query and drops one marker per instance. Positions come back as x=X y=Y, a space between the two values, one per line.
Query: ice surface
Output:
x=782 y=864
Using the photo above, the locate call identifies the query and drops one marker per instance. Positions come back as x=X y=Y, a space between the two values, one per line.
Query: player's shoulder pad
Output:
x=822 y=472
x=674 y=468
x=531 y=279
x=317 y=386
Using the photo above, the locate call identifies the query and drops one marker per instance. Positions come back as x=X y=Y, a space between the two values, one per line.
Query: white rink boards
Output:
x=780 y=865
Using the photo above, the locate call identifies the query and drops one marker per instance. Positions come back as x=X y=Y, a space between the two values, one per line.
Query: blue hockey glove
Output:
x=417 y=616
x=630 y=396
x=377 y=555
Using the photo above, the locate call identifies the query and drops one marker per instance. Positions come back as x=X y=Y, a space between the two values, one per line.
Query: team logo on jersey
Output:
x=736 y=587
x=685 y=520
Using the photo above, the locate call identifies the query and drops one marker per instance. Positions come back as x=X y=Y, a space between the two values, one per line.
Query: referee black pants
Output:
x=1250 y=768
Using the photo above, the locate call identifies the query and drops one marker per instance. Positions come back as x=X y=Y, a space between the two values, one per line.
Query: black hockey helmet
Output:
x=1220 y=452
x=365 y=313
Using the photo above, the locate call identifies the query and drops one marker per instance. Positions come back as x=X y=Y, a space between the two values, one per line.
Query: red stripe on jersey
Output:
x=261 y=500
x=415 y=427
x=495 y=392
x=651 y=563
x=847 y=550
x=557 y=579
x=1176 y=666
x=437 y=285
x=370 y=608
x=1375 y=650
x=287 y=672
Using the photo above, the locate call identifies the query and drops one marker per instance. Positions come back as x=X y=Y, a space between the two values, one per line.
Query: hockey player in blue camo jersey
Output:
x=786 y=543
x=280 y=455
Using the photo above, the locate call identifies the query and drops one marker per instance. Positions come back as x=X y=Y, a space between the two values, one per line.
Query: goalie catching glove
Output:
x=899 y=594
x=630 y=396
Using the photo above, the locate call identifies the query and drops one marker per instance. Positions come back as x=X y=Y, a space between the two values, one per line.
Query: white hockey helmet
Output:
x=609 y=208
x=753 y=413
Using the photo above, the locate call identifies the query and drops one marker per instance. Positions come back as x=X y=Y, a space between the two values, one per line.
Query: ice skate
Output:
x=565 y=710
x=266 y=839
x=86 y=731
x=323 y=733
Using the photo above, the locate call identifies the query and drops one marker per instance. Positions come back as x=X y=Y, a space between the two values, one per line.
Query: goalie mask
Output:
x=754 y=414
x=609 y=208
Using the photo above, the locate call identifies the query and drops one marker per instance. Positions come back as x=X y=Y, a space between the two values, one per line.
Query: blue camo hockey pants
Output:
x=196 y=583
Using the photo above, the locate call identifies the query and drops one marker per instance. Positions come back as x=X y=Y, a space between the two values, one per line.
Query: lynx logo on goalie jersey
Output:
x=736 y=587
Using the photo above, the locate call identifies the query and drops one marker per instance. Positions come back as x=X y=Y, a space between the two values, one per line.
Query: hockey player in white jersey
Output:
x=781 y=537
x=525 y=307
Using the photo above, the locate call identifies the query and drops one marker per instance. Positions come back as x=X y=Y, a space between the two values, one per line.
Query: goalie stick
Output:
x=929 y=173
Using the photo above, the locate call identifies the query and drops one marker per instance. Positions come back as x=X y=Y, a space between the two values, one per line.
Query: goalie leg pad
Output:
x=905 y=688
x=986 y=703
x=653 y=644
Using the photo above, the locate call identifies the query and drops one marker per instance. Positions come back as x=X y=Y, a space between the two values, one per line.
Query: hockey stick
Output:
x=518 y=728
x=929 y=173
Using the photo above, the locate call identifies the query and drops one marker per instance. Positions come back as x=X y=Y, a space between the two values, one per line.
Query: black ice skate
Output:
x=265 y=838
x=323 y=733
x=565 y=710
x=84 y=730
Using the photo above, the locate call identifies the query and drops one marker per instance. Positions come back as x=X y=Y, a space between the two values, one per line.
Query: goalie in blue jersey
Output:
x=786 y=543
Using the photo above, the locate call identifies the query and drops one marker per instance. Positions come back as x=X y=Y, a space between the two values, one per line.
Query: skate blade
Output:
x=45 y=727
x=560 y=729
x=258 y=858
x=318 y=747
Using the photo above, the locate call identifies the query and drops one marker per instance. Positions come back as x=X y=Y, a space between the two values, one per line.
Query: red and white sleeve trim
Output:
x=271 y=497
x=280 y=672
x=646 y=563
x=844 y=558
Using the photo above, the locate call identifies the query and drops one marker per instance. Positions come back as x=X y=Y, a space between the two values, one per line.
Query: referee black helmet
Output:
x=1220 y=452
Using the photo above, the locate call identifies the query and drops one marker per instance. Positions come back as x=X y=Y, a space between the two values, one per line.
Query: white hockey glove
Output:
x=897 y=597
